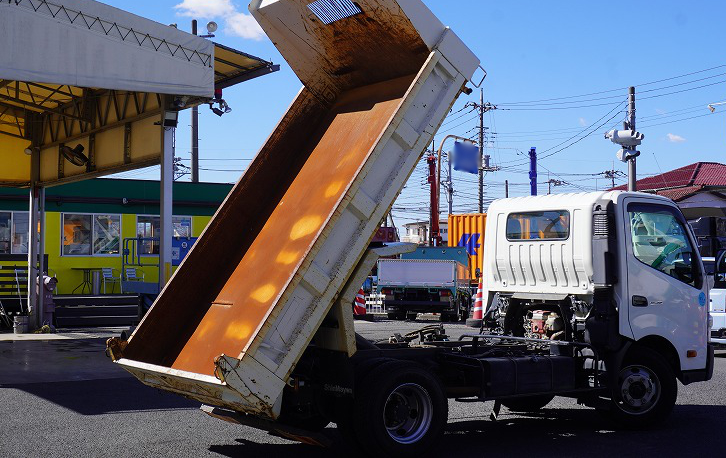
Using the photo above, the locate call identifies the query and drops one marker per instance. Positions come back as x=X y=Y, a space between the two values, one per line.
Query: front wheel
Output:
x=400 y=410
x=645 y=391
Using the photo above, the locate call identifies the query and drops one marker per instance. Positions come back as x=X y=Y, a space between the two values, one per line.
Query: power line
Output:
x=615 y=90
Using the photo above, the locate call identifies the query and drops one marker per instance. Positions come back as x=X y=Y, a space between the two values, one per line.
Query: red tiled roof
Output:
x=684 y=181
x=678 y=193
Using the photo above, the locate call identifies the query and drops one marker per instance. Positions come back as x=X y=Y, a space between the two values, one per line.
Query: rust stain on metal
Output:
x=347 y=135
x=115 y=348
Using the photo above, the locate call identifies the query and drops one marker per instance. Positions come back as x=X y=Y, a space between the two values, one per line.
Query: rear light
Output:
x=444 y=293
x=387 y=291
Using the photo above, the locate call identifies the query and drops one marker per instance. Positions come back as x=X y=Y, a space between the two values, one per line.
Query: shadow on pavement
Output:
x=576 y=432
x=94 y=397
x=689 y=431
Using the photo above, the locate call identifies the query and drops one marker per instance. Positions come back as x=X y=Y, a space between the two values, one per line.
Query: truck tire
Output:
x=411 y=316
x=396 y=316
x=400 y=410
x=645 y=392
x=528 y=403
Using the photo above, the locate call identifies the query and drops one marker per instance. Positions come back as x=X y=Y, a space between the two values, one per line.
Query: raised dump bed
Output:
x=379 y=76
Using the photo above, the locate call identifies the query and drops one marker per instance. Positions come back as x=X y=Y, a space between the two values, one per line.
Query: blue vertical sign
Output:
x=533 y=171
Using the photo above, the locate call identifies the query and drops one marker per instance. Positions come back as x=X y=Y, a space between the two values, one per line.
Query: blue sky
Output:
x=532 y=51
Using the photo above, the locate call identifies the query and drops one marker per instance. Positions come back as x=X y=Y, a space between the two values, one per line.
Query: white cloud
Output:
x=206 y=9
x=583 y=122
x=673 y=138
x=237 y=23
x=244 y=25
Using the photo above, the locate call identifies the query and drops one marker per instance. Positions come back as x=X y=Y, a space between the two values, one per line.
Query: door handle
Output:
x=640 y=301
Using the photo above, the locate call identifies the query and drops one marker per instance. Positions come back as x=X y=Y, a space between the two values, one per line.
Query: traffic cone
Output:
x=359 y=304
x=478 y=312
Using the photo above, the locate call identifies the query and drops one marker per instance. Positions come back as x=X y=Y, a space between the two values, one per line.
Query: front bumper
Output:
x=700 y=375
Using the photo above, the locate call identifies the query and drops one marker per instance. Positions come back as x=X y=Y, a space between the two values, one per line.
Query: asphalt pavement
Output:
x=63 y=397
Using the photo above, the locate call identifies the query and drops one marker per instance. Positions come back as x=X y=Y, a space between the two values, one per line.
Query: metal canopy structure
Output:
x=78 y=72
x=88 y=90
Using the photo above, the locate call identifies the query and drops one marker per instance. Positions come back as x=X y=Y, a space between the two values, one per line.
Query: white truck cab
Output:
x=619 y=270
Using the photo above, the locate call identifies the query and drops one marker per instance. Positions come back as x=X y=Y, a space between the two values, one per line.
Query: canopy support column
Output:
x=34 y=312
x=166 y=199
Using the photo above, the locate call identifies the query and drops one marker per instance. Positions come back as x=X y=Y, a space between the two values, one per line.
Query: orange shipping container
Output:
x=468 y=231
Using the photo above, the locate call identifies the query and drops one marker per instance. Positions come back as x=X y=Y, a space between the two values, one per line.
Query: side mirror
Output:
x=710 y=281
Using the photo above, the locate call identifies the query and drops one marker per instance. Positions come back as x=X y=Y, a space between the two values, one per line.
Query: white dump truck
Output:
x=256 y=321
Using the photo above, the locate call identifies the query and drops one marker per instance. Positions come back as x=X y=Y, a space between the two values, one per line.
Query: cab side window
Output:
x=660 y=240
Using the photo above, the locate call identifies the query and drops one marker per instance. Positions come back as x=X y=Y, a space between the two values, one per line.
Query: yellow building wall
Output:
x=63 y=266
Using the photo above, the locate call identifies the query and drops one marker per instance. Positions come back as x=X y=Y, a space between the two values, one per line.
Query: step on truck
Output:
x=256 y=321
x=428 y=280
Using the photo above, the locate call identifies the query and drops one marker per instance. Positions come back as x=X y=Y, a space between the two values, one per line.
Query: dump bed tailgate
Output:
x=243 y=306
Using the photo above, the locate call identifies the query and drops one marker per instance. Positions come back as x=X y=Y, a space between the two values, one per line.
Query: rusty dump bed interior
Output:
x=228 y=284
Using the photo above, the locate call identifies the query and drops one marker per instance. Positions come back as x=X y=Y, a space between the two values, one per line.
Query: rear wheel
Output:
x=396 y=316
x=411 y=316
x=400 y=410
x=645 y=391
x=528 y=403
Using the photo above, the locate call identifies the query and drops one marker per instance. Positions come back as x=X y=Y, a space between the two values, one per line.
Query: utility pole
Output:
x=632 y=186
x=628 y=139
x=195 y=130
x=506 y=188
x=552 y=182
x=611 y=175
x=483 y=108
x=481 y=150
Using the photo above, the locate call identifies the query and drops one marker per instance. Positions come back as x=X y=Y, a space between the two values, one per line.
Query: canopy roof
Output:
x=84 y=73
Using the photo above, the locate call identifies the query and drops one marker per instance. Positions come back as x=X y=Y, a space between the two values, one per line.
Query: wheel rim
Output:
x=640 y=389
x=407 y=413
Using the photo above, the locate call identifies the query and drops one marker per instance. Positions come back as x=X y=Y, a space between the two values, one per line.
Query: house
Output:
x=418 y=232
x=699 y=189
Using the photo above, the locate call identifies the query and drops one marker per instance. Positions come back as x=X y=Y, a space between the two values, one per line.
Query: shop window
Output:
x=150 y=227
x=76 y=234
x=85 y=235
x=5 y=230
x=106 y=234
x=21 y=229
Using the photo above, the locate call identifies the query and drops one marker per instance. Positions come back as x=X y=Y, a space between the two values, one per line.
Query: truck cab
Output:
x=618 y=271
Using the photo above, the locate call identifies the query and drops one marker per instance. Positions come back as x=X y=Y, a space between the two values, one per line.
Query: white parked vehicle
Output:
x=617 y=272
x=717 y=299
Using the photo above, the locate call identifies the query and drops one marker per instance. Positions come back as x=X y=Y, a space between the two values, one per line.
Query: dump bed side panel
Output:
x=186 y=298
x=345 y=139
